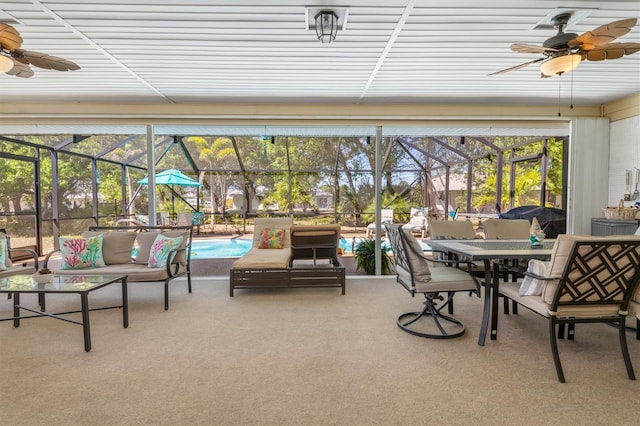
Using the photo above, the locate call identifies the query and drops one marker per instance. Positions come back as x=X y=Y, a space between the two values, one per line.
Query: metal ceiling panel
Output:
x=145 y=51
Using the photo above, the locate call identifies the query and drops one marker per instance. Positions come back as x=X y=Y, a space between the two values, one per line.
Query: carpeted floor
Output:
x=301 y=357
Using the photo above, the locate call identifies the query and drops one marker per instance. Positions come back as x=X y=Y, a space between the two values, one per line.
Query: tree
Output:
x=215 y=153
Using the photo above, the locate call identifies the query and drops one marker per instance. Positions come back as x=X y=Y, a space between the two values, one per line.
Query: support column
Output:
x=378 y=195
x=151 y=175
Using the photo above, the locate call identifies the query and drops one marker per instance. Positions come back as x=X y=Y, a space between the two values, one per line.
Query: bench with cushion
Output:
x=162 y=254
x=277 y=258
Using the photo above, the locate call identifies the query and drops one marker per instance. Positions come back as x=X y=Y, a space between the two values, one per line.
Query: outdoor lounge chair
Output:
x=386 y=216
x=417 y=221
x=588 y=279
x=184 y=219
x=415 y=275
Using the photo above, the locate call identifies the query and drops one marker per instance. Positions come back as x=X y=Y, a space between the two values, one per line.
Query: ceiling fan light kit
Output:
x=6 y=63
x=560 y=64
x=15 y=61
x=563 y=52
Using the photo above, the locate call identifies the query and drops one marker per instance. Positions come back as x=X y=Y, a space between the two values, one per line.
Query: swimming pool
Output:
x=220 y=248
x=236 y=247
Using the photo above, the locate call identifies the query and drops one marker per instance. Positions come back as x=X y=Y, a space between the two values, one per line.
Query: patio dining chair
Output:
x=417 y=277
x=587 y=280
x=509 y=229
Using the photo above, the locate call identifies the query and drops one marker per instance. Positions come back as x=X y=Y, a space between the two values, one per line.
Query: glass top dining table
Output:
x=489 y=252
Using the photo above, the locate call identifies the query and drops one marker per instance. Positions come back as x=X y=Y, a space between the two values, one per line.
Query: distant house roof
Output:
x=456 y=182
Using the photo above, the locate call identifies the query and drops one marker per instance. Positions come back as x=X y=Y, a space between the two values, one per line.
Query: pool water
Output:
x=347 y=243
x=236 y=247
x=212 y=249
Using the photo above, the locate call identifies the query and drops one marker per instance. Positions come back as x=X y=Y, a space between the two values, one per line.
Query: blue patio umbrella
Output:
x=172 y=178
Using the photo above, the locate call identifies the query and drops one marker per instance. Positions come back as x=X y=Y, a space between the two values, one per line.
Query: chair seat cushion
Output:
x=537 y=304
x=258 y=258
x=17 y=270
x=446 y=279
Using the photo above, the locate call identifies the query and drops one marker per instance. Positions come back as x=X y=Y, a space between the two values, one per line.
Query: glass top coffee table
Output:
x=74 y=284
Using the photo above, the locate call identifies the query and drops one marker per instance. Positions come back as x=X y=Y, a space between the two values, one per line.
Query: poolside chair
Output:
x=184 y=219
x=415 y=275
x=386 y=216
x=417 y=221
x=163 y=219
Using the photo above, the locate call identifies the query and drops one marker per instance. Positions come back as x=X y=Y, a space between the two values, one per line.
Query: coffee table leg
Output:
x=85 y=321
x=16 y=309
x=125 y=304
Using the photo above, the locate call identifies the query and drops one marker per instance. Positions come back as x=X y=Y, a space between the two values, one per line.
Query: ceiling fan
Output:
x=16 y=61
x=564 y=51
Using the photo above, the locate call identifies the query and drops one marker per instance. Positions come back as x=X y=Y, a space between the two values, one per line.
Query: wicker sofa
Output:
x=118 y=244
x=296 y=263
x=10 y=266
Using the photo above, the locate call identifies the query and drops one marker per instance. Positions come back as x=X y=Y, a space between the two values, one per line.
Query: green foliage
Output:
x=365 y=257
x=401 y=208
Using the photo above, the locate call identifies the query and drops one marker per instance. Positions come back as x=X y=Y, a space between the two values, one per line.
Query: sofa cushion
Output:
x=145 y=240
x=272 y=238
x=160 y=250
x=135 y=272
x=257 y=259
x=116 y=246
x=532 y=286
x=81 y=253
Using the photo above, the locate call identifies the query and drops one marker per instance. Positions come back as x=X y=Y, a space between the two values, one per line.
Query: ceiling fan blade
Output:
x=612 y=51
x=531 y=48
x=517 y=67
x=603 y=34
x=9 y=37
x=42 y=60
x=20 y=70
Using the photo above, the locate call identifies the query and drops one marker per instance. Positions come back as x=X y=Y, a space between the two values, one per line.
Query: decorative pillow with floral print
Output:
x=3 y=254
x=82 y=253
x=271 y=239
x=160 y=250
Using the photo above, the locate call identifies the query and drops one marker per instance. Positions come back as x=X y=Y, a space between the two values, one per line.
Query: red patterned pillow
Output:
x=271 y=239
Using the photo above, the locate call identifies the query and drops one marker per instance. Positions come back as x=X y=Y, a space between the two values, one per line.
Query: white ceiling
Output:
x=147 y=51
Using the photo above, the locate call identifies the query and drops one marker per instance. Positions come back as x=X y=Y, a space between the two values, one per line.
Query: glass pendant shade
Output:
x=326 y=26
x=6 y=63
x=560 y=64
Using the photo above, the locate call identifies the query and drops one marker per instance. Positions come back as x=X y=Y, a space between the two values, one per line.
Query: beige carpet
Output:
x=301 y=357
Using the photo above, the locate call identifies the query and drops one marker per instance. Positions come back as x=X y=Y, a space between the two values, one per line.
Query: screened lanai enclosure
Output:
x=56 y=184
